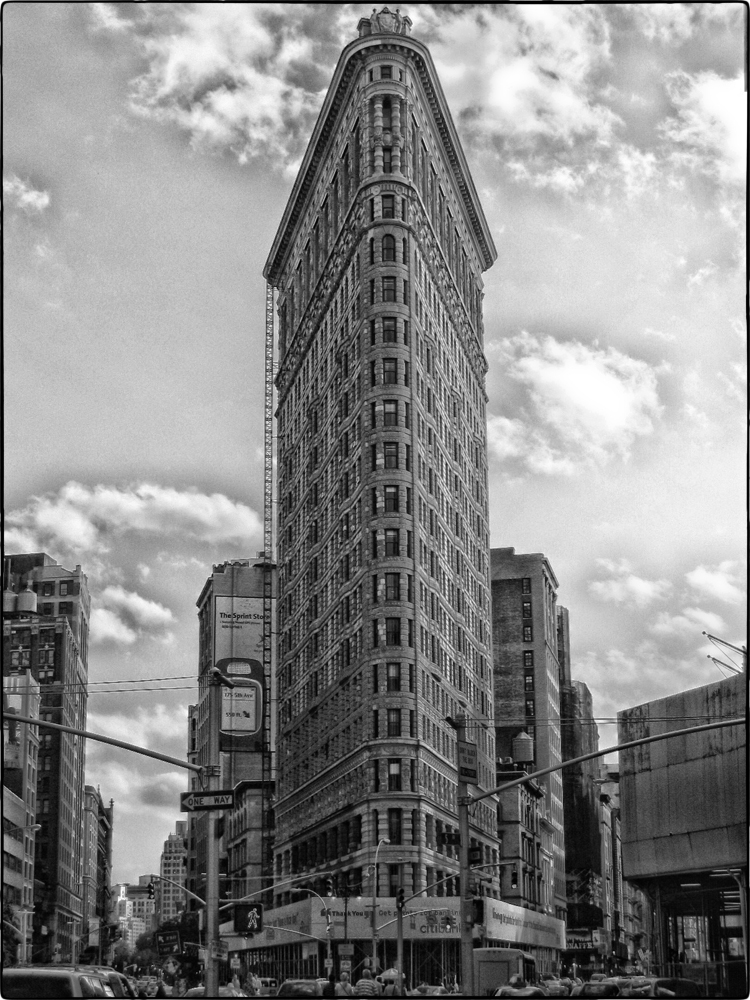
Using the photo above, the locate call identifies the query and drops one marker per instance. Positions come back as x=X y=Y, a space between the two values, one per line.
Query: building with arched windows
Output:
x=383 y=535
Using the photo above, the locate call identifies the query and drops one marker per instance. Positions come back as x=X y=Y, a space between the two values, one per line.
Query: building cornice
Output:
x=350 y=60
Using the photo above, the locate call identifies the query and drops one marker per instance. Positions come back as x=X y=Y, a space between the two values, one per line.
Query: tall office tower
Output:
x=383 y=538
x=170 y=897
x=97 y=870
x=46 y=612
x=527 y=681
x=231 y=611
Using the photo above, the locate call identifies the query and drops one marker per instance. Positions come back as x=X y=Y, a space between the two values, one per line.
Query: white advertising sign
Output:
x=238 y=627
x=513 y=924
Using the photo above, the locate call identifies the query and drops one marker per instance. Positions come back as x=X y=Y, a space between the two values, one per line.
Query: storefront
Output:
x=300 y=940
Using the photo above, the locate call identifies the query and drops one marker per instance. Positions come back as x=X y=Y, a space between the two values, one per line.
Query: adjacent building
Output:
x=684 y=832
x=97 y=870
x=20 y=757
x=45 y=631
x=527 y=675
x=233 y=606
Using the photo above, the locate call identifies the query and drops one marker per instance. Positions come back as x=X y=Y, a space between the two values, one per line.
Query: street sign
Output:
x=346 y=949
x=345 y=965
x=194 y=801
x=328 y=963
x=235 y=963
x=168 y=942
x=467 y=761
x=219 y=949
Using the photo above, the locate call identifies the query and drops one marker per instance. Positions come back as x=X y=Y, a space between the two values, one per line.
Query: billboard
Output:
x=238 y=653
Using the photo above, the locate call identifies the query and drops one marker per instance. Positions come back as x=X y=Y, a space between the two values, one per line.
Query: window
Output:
x=392 y=580
x=527 y=636
x=391 y=500
x=389 y=248
x=389 y=289
x=530 y=707
x=392 y=545
x=376 y=776
x=372 y=291
x=528 y=658
x=394 y=831
x=526 y=585
x=48 y=589
x=386 y=72
x=394 y=775
x=390 y=371
x=528 y=681
x=393 y=633
x=390 y=454
x=65 y=608
x=63 y=588
x=527 y=609
x=387 y=160
x=394 y=676
x=389 y=206
x=394 y=721
x=390 y=413
x=389 y=330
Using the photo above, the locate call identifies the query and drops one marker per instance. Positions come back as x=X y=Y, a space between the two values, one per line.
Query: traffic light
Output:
x=475 y=855
x=514 y=878
x=448 y=922
x=151 y=891
x=248 y=918
x=400 y=901
x=329 y=886
x=478 y=911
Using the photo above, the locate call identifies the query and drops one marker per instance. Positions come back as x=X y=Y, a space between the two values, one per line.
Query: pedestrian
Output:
x=343 y=986
x=329 y=989
x=392 y=989
x=366 y=986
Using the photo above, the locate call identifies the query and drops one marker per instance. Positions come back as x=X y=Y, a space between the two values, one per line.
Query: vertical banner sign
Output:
x=467 y=762
x=238 y=653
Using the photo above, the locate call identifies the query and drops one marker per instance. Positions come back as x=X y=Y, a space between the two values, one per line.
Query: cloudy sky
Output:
x=149 y=152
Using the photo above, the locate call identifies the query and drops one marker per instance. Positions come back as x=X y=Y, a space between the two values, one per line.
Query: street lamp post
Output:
x=384 y=840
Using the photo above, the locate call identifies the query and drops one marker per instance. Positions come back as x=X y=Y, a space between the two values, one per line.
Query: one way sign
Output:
x=193 y=801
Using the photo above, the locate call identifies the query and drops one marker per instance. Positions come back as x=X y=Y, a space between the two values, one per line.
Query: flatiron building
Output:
x=384 y=611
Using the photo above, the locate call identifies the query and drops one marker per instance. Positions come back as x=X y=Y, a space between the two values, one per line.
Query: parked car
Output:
x=653 y=986
x=553 y=986
x=121 y=986
x=224 y=991
x=600 y=988
x=521 y=991
x=299 y=988
x=40 y=982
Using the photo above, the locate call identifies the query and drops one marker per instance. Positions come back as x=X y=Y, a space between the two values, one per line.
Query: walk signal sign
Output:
x=248 y=918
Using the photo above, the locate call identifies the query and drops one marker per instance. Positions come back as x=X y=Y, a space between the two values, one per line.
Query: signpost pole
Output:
x=467 y=936
x=213 y=773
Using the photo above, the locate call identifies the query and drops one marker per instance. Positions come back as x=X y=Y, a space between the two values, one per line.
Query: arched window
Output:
x=387 y=113
x=389 y=248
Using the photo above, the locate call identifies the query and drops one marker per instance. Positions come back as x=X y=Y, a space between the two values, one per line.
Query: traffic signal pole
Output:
x=467 y=930
x=212 y=772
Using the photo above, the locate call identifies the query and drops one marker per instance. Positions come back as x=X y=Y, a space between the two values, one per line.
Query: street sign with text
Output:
x=467 y=761
x=168 y=942
x=194 y=801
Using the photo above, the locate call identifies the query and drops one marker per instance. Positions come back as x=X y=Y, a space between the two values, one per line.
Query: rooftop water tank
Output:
x=9 y=601
x=26 y=599
x=523 y=748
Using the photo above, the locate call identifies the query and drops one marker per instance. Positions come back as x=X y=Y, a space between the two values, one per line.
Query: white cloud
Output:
x=80 y=519
x=691 y=622
x=106 y=626
x=106 y=18
x=582 y=405
x=22 y=195
x=624 y=587
x=711 y=124
x=145 y=614
x=658 y=334
x=719 y=582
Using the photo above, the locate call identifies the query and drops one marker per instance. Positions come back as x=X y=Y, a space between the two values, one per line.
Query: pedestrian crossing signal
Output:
x=248 y=918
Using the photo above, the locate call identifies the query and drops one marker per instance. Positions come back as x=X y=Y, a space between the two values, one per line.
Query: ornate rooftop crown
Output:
x=383 y=23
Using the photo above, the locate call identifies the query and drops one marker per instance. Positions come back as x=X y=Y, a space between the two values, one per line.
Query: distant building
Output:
x=170 y=898
x=230 y=619
x=684 y=832
x=527 y=684
x=97 y=870
x=46 y=612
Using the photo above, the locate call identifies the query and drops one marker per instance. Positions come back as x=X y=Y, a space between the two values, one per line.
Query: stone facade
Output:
x=383 y=536
x=527 y=681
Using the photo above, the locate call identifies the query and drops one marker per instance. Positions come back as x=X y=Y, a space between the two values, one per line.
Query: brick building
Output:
x=527 y=682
